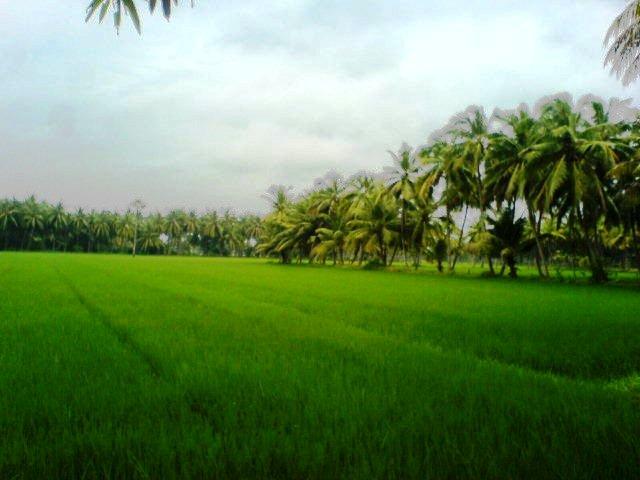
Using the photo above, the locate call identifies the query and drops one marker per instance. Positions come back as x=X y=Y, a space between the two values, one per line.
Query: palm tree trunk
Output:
x=135 y=239
x=540 y=256
x=634 y=240
x=381 y=249
x=573 y=241
x=457 y=253
x=403 y=221
x=355 y=253
x=30 y=239
x=490 y=261
x=448 y=216
x=393 y=255
x=513 y=271
x=598 y=272
x=503 y=268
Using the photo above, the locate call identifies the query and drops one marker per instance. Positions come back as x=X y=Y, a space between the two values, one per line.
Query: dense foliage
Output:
x=559 y=183
x=34 y=225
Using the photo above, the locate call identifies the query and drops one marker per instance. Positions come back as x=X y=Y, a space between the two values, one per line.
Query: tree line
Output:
x=558 y=184
x=555 y=185
x=38 y=225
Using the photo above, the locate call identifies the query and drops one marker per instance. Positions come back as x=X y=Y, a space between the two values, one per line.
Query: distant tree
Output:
x=375 y=225
x=58 y=220
x=138 y=207
x=33 y=221
x=400 y=181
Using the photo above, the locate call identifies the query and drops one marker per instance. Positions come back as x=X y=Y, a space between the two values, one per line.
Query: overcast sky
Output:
x=209 y=110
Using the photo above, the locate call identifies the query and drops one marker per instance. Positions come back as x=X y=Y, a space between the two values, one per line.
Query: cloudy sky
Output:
x=209 y=110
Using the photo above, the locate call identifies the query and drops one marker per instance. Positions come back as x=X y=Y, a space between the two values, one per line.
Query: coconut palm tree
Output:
x=101 y=227
x=438 y=252
x=375 y=225
x=400 y=180
x=8 y=218
x=574 y=159
x=623 y=47
x=191 y=227
x=252 y=231
x=138 y=207
x=126 y=231
x=510 y=177
x=451 y=175
x=271 y=241
x=33 y=221
x=79 y=225
x=507 y=234
x=57 y=221
x=627 y=194
x=150 y=231
x=119 y=8
x=174 y=228
x=331 y=240
x=424 y=228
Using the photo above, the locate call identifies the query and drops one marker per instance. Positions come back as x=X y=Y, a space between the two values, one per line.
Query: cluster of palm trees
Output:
x=35 y=225
x=556 y=184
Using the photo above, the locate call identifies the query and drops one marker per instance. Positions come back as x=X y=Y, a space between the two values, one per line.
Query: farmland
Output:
x=175 y=367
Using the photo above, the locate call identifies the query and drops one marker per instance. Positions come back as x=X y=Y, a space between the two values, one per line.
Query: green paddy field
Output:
x=120 y=367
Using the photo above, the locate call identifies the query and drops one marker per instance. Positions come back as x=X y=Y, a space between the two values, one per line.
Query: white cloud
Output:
x=212 y=108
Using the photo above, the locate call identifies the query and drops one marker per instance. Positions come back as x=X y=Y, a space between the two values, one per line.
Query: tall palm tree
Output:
x=174 y=228
x=58 y=220
x=424 y=228
x=33 y=221
x=510 y=176
x=450 y=174
x=8 y=218
x=473 y=132
x=101 y=228
x=79 y=225
x=275 y=223
x=400 y=181
x=575 y=158
x=191 y=227
x=138 y=207
x=150 y=232
x=375 y=225
x=126 y=230
x=627 y=194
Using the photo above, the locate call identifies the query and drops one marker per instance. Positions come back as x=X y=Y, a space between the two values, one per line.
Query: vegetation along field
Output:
x=166 y=367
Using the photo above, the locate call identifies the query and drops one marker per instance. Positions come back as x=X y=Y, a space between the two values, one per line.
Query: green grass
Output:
x=115 y=367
